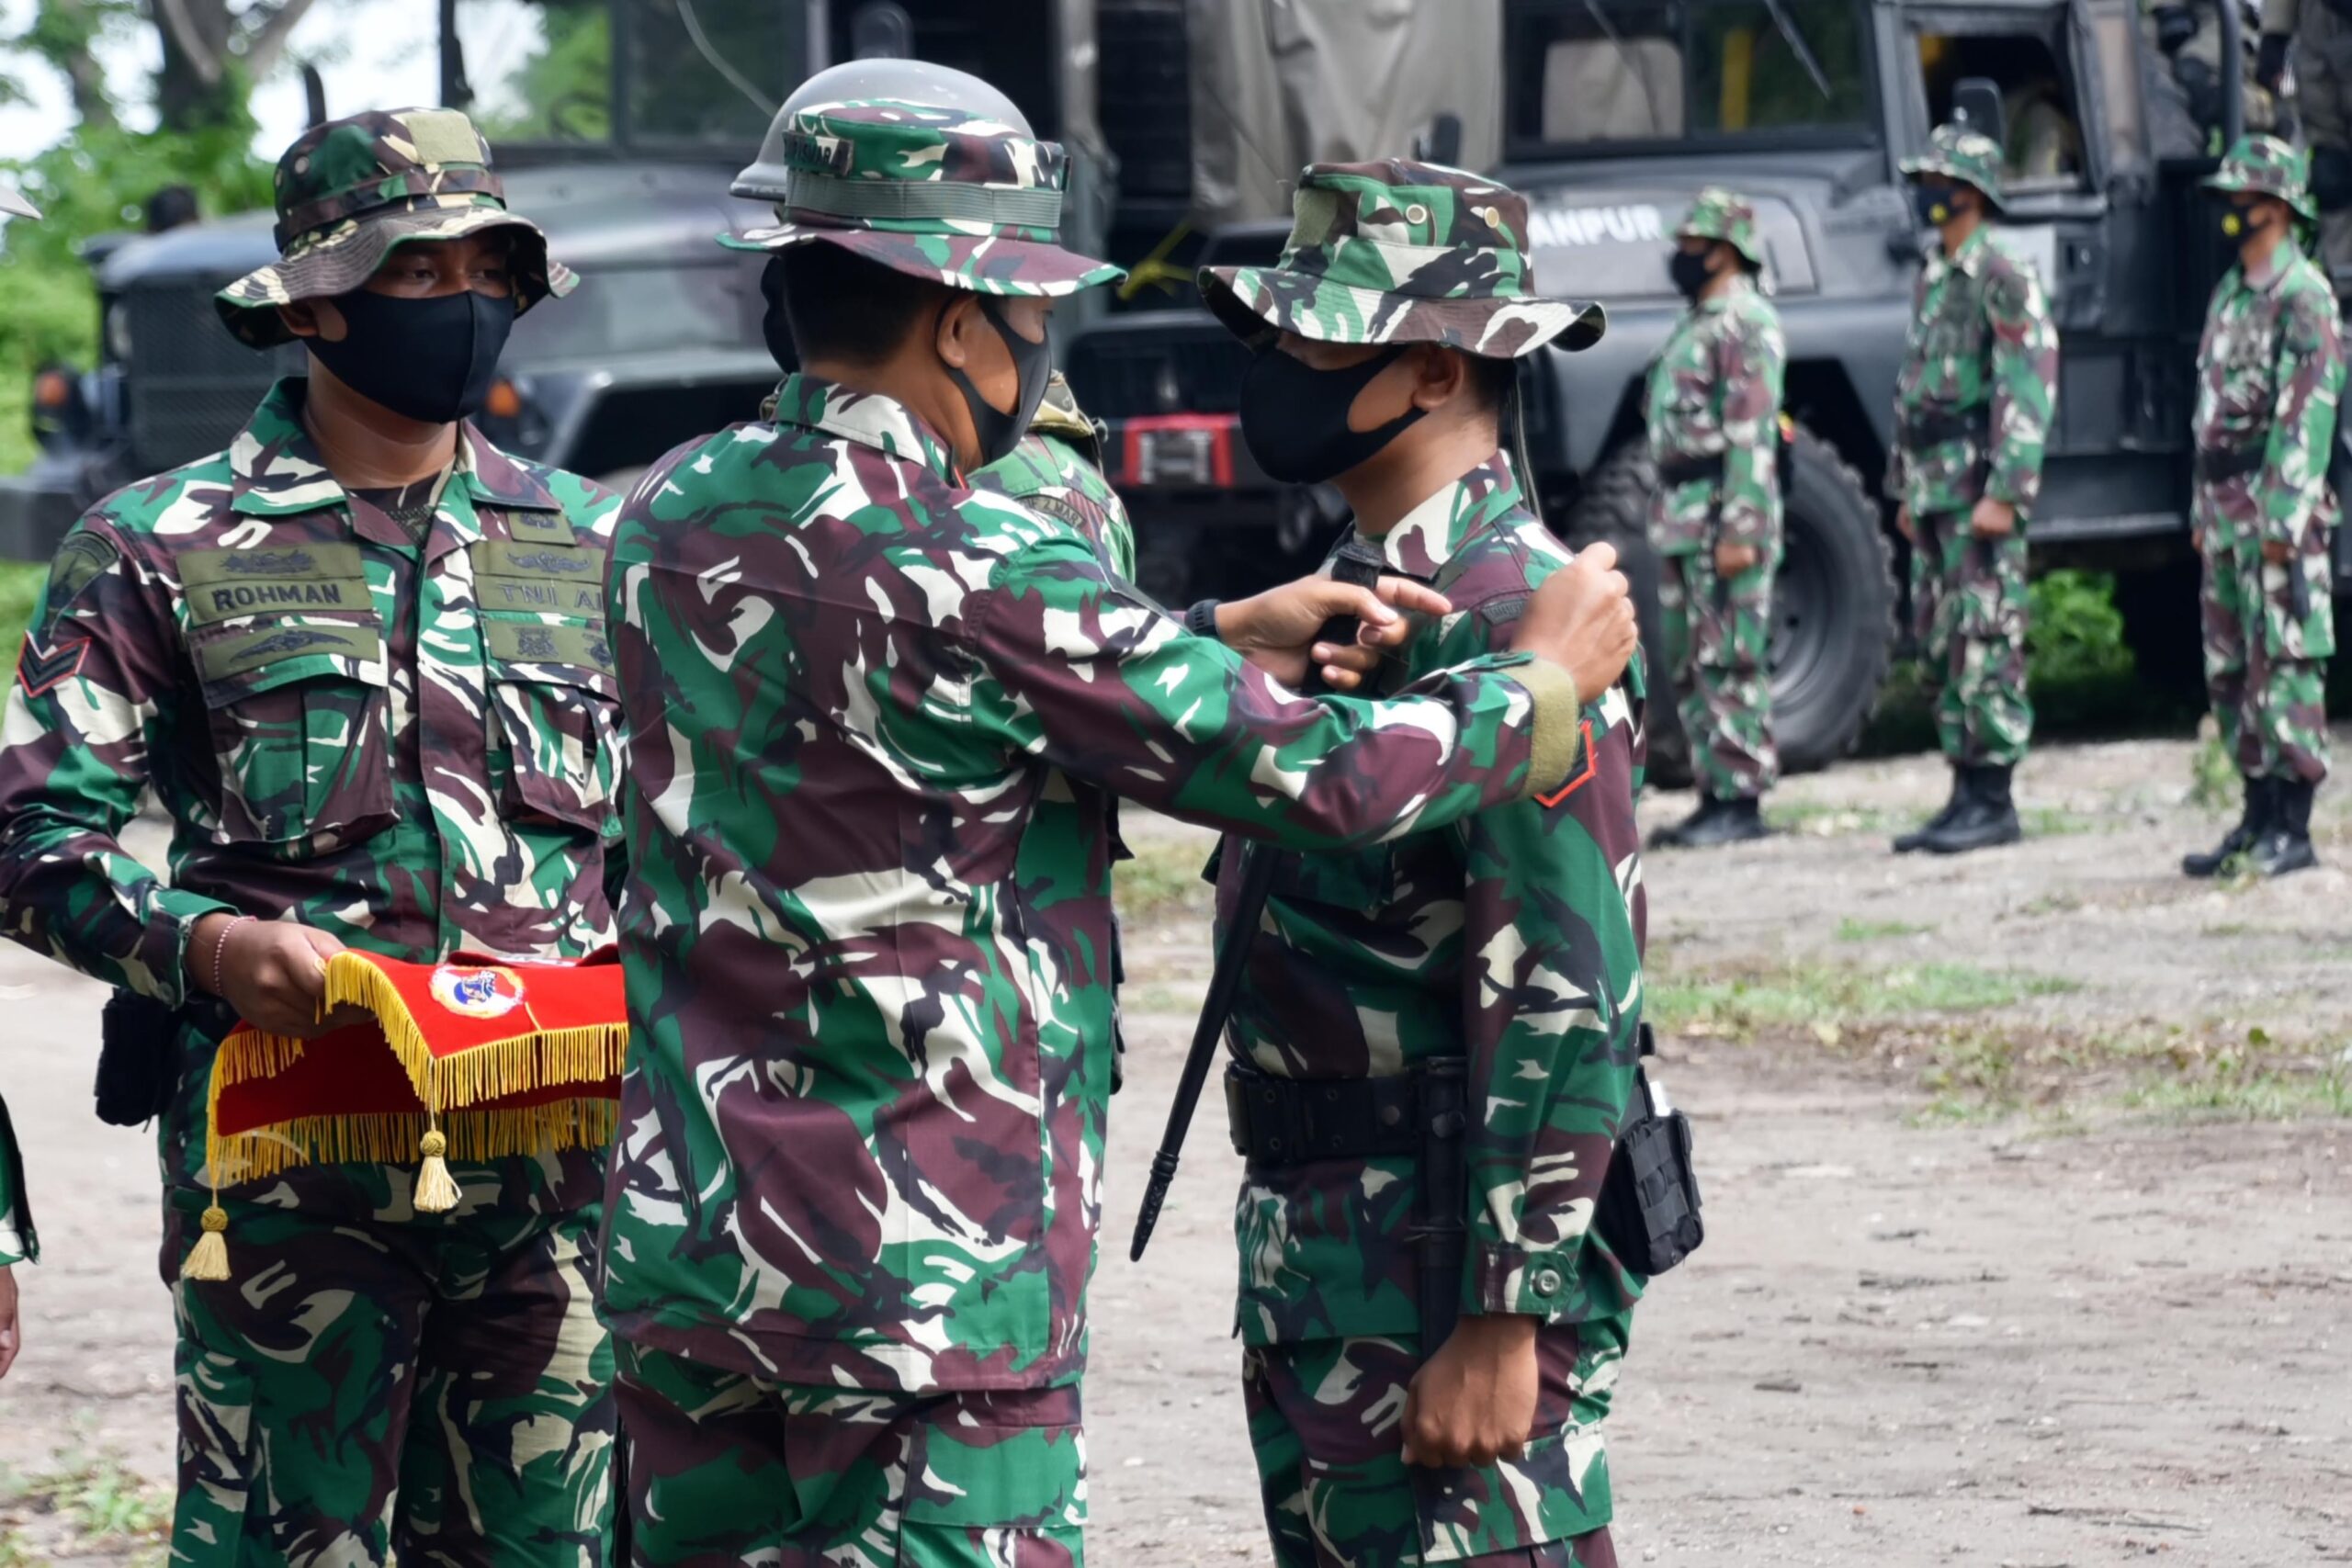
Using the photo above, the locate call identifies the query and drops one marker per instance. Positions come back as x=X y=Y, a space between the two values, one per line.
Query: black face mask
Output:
x=2236 y=224
x=1690 y=271
x=1001 y=432
x=430 y=360
x=1937 y=205
x=1295 y=417
x=773 y=327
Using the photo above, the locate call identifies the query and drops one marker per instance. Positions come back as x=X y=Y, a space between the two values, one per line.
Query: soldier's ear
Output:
x=952 y=329
x=1439 y=375
x=313 y=318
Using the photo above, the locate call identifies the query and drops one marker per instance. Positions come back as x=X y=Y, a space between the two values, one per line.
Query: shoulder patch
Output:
x=81 y=560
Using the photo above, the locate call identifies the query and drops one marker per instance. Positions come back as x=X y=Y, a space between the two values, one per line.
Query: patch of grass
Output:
x=101 y=1501
x=2052 y=822
x=2249 y=1085
x=20 y=586
x=2051 y=904
x=1825 y=999
x=2213 y=782
x=1825 y=819
x=1852 y=929
x=1162 y=879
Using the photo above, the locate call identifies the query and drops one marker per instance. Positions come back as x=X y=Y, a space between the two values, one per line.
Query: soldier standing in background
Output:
x=1502 y=957
x=1972 y=405
x=2320 y=34
x=19 y=1241
x=351 y=658
x=2270 y=374
x=856 y=1185
x=1714 y=407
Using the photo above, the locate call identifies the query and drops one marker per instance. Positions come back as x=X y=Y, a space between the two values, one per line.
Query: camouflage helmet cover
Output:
x=352 y=189
x=1397 y=252
x=13 y=203
x=1719 y=214
x=953 y=195
x=1959 y=153
x=2268 y=166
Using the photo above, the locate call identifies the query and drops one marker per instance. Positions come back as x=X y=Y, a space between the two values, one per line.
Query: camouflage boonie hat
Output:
x=1969 y=156
x=2270 y=167
x=936 y=193
x=1718 y=214
x=13 y=203
x=1394 y=252
x=350 y=190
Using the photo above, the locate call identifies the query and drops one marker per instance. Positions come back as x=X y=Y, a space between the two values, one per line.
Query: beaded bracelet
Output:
x=221 y=950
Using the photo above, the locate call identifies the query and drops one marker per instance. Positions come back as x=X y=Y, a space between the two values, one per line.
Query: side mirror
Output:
x=1441 y=142
x=1976 y=103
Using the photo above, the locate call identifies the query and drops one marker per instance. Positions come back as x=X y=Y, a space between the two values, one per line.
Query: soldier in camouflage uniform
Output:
x=1713 y=405
x=1973 y=406
x=1509 y=944
x=2317 y=35
x=360 y=658
x=19 y=1241
x=2270 y=376
x=875 y=712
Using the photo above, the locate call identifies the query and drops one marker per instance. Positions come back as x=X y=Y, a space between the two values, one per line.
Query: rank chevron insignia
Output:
x=40 y=668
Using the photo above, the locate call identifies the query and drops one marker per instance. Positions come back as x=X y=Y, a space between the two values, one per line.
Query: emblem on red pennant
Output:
x=477 y=991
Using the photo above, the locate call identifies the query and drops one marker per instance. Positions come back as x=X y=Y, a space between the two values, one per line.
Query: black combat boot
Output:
x=1917 y=838
x=2286 y=843
x=1699 y=821
x=1733 y=821
x=1986 y=819
x=2252 y=822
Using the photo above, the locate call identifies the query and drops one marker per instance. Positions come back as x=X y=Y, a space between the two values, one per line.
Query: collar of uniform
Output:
x=1427 y=536
x=1972 y=250
x=274 y=467
x=1742 y=284
x=867 y=418
x=2276 y=264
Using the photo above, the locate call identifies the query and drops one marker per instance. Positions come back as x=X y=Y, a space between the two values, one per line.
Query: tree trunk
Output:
x=195 y=88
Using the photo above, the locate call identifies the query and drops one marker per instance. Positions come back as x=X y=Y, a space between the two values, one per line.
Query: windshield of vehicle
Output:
x=1593 y=76
x=705 y=73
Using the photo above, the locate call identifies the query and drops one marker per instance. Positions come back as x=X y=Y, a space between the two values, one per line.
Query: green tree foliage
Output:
x=563 y=91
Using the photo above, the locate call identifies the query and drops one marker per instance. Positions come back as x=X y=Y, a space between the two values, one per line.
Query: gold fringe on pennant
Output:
x=398 y=1137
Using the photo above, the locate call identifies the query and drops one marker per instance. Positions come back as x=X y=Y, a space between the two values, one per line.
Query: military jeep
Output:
x=1614 y=113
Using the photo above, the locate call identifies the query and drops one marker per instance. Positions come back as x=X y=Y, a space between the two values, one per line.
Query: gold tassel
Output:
x=436 y=1192
x=209 y=1258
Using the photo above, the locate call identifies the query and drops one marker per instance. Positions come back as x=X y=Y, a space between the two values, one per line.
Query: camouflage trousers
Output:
x=1718 y=638
x=2265 y=667
x=440 y=1388
x=1968 y=609
x=1324 y=1418
x=725 y=1468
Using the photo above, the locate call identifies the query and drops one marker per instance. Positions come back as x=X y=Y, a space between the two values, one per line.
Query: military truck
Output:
x=627 y=168
x=1613 y=114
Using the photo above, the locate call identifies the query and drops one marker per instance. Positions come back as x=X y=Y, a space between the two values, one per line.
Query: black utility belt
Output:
x=2218 y=465
x=1683 y=471
x=1935 y=429
x=1278 y=1122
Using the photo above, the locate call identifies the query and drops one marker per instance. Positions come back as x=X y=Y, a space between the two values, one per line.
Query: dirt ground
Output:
x=2030 y=1217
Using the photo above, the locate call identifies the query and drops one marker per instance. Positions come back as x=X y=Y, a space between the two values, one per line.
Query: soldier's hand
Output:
x=2277 y=552
x=1582 y=619
x=10 y=1340
x=2271 y=62
x=1276 y=631
x=1902 y=522
x=272 y=973
x=1993 y=519
x=1732 y=558
x=1474 y=1402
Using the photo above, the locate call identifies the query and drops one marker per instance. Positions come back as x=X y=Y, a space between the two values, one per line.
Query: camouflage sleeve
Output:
x=1551 y=1013
x=92 y=699
x=17 y=1242
x=2024 y=382
x=1082 y=670
x=1750 y=364
x=2292 y=486
x=1897 y=473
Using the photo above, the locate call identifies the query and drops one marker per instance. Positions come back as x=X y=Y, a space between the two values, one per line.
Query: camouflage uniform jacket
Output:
x=17 y=1240
x=1513 y=938
x=1058 y=469
x=411 y=749
x=1982 y=347
x=861 y=1128
x=2270 y=374
x=1715 y=390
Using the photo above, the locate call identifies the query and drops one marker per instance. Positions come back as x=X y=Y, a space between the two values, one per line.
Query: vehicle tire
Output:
x=1833 y=610
x=2162 y=624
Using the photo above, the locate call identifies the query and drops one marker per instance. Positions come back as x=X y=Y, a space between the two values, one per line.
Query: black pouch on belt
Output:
x=1649 y=1202
x=135 y=1036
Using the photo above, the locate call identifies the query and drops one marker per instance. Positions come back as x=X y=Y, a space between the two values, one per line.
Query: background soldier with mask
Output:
x=855 y=1188
x=351 y=657
x=2317 y=35
x=1972 y=405
x=2270 y=375
x=1714 y=408
x=1506 y=949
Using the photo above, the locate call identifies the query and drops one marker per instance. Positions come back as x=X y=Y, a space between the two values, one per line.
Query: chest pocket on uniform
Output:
x=554 y=710
x=1953 y=345
x=301 y=733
